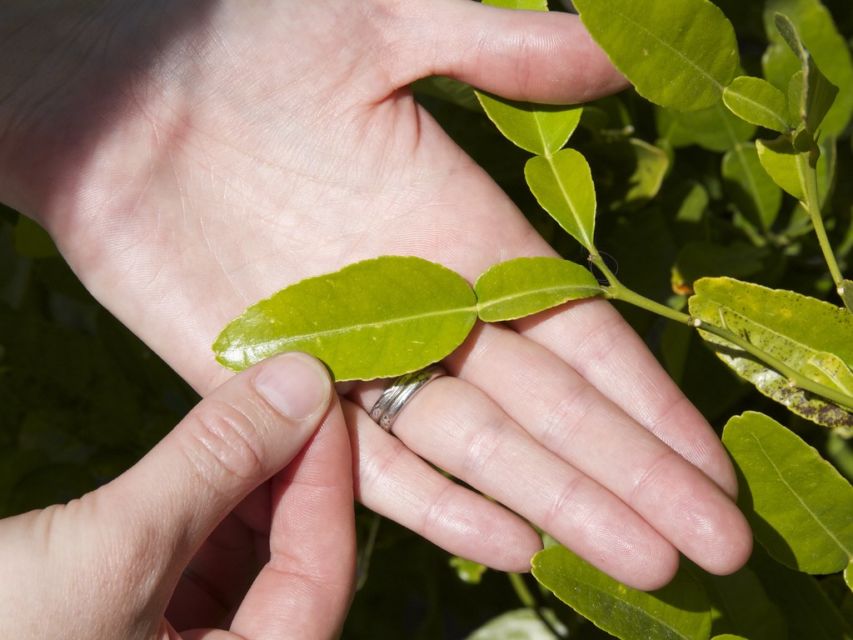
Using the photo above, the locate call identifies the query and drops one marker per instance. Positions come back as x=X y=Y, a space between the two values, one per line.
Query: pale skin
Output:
x=193 y=158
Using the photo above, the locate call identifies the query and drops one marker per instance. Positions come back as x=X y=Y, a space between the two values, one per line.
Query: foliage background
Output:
x=81 y=398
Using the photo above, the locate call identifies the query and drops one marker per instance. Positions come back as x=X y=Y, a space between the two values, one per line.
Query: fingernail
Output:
x=295 y=384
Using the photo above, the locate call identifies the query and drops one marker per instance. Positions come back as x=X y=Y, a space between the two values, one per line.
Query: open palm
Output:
x=192 y=158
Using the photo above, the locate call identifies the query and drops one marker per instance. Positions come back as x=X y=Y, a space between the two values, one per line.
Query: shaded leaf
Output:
x=757 y=196
x=468 y=571
x=530 y=5
x=779 y=159
x=715 y=128
x=521 y=624
x=706 y=259
x=679 y=611
x=539 y=129
x=677 y=54
x=846 y=293
x=818 y=93
x=373 y=319
x=805 y=607
x=32 y=241
x=627 y=171
x=758 y=102
x=795 y=329
x=563 y=187
x=448 y=89
x=799 y=506
x=524 y=286
x=741 y=606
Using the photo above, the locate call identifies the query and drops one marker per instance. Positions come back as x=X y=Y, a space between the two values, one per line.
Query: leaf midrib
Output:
x=587 y=241
x=652 y=34
x=797 y=496
x=532 y=292
x=761 y=107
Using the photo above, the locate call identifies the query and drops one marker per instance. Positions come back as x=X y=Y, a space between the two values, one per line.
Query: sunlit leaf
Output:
x=779 y=159
x=539 y=129
x=758 y=102
x=750 y=187
x=521 y=624
x=373 y=319
x=795 y=329
x=525 y=286
x=530 y=5
x=677 y=54
x=563 y=187
x=799 y=506
x=741 y=606
x=679 y=611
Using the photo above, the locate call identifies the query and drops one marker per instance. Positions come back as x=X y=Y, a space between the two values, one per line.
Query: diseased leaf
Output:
x=758 y=102
x=373 y=319
x=539 y=129
x=795 y=329
x=779 y=159
x=677 y=54
x=741 y=606
x=715 y=128
x=799 y=506
x=521 y=624
x=563 y=187
x=679 y=611
x=750 y=187
x=525 y=286
x=818 y=93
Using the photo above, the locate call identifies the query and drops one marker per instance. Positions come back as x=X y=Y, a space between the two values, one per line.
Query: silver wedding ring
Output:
x=399 y=392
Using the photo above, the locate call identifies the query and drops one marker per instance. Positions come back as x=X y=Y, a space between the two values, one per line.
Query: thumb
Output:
x=231 y=442
x=523 y=55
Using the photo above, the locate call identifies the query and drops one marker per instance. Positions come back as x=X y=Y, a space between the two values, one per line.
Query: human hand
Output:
x=203 y=155
x=108 y=565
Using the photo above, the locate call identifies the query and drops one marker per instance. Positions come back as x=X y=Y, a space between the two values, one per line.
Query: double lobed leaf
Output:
x=391 y=315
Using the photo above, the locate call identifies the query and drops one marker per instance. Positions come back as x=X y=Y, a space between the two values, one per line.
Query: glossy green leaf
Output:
x=846 y=293
x=677 y=54
x=741 y=606
x=750 y=187
x=679 y=611
x=529 y=5
x=563 y=187
x=524 y=286
x=520 y=624
x=808 y=612
x=729 y=636
x=799 y=506
x=779 y=159
x=758 y=102
x=818 y=93
x=715 y=128
x=373 y=319
x=539 y=129
x=799 y=331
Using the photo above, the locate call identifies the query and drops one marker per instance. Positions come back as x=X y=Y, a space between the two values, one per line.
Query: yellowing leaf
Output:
x=796 y=330
x=677 y=54
x=373 y=319
x=563 y=187
x=525 y=286
x=799 y=506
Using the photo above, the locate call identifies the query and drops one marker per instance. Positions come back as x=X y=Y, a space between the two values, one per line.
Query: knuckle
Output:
x=481 y=441
x=222 y=440
x=566 y=416
x=562 y=503
x=654 y=475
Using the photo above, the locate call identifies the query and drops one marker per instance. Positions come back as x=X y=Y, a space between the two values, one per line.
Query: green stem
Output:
x=808 y=176
x=531 y=602
x=618 y=291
